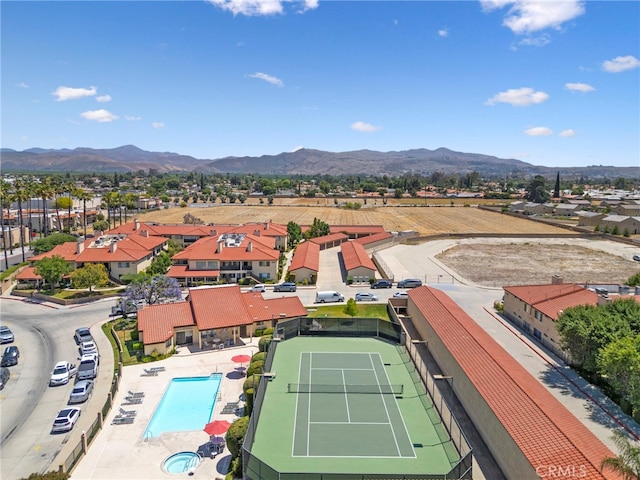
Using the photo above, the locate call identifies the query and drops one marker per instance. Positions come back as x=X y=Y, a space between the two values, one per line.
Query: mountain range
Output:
x=130 y=158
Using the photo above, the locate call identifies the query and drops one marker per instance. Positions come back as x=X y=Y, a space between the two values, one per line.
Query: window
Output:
x=212 y=265
x=200 y=265
x=123 y=264
x=168 y=342
x=537 y=315
x=264 y=264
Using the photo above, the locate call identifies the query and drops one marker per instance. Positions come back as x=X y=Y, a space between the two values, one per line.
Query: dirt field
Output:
x=425 y=220
x=498 y=264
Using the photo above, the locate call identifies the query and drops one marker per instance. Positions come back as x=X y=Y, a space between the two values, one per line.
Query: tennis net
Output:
x=397 y=389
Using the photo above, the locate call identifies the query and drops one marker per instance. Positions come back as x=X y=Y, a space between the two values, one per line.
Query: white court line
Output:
x=309 y=406
x=350 y=423
x=346 y=398
x=295 y=417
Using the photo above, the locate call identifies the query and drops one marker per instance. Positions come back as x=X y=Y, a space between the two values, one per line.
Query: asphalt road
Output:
x=28 y=405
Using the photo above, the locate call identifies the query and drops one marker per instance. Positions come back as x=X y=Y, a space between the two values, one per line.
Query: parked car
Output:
x=62 y=373
x=258 y=287
x=88 y=367
x=382 y=284
x=83 y=334
x=4 y=377
x=10 y=356
x=636 y=258
x=409 y=283
x=401 y=295
x=65 y=420
x=81 y=391
x=285 y=287
x=366 y=297
x=329 y=296
x=88 y=347
x=6 y=335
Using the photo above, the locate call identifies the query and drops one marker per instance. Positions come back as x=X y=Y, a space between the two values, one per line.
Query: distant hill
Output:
x=304 y=162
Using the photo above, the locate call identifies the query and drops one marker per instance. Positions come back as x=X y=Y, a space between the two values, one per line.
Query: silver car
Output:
x=81 y=391
x=6 y=335
x=366 y=297
x=65 y=420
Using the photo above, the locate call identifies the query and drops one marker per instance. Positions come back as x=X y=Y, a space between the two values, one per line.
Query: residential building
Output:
x=330 y=241
x=621 y=223
x=357 y=263
x=305 y=263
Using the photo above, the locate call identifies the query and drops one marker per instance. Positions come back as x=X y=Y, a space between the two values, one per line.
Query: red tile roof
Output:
x=307 y=255
x=544 y=429
x=552 y=298
x=28 y=273
x=252 y=248
x=157 y=322
x=354 y=255
x=376 y=237
x=359 y=229
x=65 y=250
x=182 y=271
x=266 y=229
x=332 y=237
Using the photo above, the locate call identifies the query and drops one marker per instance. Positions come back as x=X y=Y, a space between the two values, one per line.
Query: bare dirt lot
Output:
x=425 y=220
x=519 y=263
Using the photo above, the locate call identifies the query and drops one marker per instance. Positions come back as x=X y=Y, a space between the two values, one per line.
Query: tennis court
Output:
x=346 y=407
x=343 y=397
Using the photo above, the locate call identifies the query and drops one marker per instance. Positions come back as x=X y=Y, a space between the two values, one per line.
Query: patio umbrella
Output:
x=240 y=358
x=217 y=427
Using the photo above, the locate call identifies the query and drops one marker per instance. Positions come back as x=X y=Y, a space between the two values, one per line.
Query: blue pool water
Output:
x=187 y=404
x=181 y=462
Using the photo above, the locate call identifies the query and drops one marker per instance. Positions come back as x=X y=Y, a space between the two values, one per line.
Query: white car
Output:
x=62 y=373
x=401 y=295
x=258 y=287
x=65 y=420
x=366 y=297
x=88 y=347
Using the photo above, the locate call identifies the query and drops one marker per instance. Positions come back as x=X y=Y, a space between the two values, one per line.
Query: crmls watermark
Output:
x=562 y=471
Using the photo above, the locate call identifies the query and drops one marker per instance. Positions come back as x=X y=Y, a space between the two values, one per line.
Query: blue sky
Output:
x=553 y=83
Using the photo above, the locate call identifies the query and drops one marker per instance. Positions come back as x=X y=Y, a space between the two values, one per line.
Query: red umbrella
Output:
x=240 y=358
x=217 y=427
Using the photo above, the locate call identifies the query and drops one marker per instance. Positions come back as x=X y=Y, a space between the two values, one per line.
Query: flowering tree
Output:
x=150 y=290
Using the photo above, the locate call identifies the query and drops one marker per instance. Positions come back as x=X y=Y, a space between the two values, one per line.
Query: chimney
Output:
x=113 y=247
x=213 y=233
x=256 y=233
x=136 y=224
x=220 y=246
x=250 y=247
x=556 y=279
x=145 y=233
x=266 y=226
x=79 y=247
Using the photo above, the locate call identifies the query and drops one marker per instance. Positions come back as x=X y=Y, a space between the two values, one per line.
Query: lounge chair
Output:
x=132 y=401
x=127 y=413
x=135 y=394
x=119 y=420
x=149 y=373
x=156 y=369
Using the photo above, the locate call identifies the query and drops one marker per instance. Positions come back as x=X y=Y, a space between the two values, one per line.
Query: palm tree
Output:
x=58 y=189
x=45 y=191
x=627 y=463
x=84 y=196
x=21 y=194
x=4 y=200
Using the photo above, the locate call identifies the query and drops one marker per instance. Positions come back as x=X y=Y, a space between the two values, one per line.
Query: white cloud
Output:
x=101 y=116
x=579 y=87
x=518 y=97
x=538 y=41
x=103 y=98
x=538 y=131
x=443 y=32
x=364 y=127
x=157 y=125
x=527 y=16
x=263 y=7
x=23 y=85
x=268 y=78
x=620 y=64
x=132 y=118
x=567 y=133
x=70 y=93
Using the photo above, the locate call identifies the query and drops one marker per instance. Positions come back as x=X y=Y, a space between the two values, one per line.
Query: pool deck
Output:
x=120 y=451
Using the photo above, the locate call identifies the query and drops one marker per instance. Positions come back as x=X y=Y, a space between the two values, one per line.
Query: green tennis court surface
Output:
x=347 y=406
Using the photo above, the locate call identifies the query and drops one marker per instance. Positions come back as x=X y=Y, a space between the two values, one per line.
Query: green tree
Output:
x=627 y=463
x=351 y=308
x=47 y=244
x=89 y=276
x=537 y=191
x=52 y=475
x=633 y=280
x=318 y=229
x=63 y=202
x=295 y=232
x=556 y=189
x=234 y=438
x=619 y=362
x=52 y=269
x=160 y=264
x=100 y=226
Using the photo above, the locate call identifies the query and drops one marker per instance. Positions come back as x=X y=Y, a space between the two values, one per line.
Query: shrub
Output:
x=499 y=306
x=135 y=335
x=269 y=331
x=349 y=280
x=255 y=368
x=137 y=345
x=259 y=356
x=264 y=342
x=235 y=436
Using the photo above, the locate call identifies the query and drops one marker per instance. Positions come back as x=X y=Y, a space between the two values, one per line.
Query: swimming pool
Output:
x=187 y=404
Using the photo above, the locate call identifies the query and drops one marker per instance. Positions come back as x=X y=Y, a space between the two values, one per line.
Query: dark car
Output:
x=285 y=287
x=10 y=356
x=83 y=334
x=382 y=284
x=636 y=258
x=410 y=283
x=4 y=377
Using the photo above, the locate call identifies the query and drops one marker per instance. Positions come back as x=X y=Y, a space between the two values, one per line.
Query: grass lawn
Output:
x=124 y=327
x=337 y=311
x=63 y=294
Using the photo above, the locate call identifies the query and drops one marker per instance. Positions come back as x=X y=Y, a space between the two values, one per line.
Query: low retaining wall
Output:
x=60 y=301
